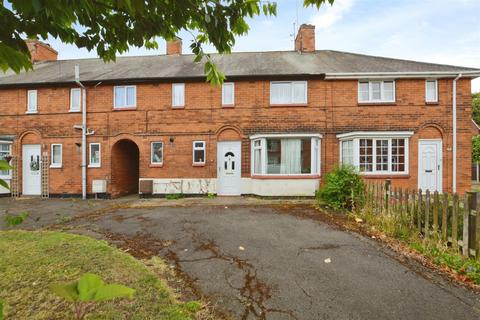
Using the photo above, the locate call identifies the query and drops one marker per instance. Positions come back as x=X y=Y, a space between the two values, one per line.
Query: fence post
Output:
x=444 y=217
x=407 y=207
x=427 y=212
x=387 y=194
x=419 y=210
x=435 y=211
x=455 y=222
x=466 y=217
x=476 y=235
x=413 y=210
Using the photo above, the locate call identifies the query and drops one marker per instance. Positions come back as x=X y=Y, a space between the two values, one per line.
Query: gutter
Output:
x=454 y=133
x=399 y=75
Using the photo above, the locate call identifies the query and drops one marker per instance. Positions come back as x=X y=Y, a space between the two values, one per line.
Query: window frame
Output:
x=94 y=165
x=178 y=85
x=291 y=102
x=376 y=136
x=426 y=91
x=382 y=91
x=79 y=100
x=28 y=101
x=52 y=164
x=203 y=148
x=151 y=154
x=126 y=106
x=232 y=84
x=9 y=175
x=315 y=144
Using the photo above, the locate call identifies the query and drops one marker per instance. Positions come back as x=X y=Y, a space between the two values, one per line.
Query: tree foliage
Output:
x=112 y=26
x=476 y=107
x=4 y=166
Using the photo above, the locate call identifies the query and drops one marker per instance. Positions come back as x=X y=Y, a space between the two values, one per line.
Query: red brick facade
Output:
x=332 y=108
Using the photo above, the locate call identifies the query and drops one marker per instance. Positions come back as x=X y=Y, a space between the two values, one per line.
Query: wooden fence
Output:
x=451 y=219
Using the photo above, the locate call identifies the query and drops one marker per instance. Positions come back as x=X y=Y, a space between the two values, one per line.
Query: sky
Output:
x=437 y=31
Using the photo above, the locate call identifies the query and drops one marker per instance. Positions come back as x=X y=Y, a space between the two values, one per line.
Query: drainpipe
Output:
x=454 y=129
x=84 y=132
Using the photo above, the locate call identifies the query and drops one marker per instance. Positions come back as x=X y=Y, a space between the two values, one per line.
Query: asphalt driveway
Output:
x=254 y=260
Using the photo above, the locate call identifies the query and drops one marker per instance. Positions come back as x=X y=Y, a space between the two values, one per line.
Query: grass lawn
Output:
x=31 y=261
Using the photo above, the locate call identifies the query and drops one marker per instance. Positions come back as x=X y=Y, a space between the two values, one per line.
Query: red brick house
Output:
x=280 y=122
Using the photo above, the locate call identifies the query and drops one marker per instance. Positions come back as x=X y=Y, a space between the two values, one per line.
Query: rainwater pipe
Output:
x=84 y=132
x=454 y=129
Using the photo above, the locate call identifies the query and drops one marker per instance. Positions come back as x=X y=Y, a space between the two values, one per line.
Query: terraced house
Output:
x=281 y=120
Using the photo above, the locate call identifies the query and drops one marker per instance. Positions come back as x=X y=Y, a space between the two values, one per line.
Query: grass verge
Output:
x=31 y=261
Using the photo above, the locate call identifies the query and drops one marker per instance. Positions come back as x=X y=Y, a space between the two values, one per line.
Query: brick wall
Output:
x=332 y=109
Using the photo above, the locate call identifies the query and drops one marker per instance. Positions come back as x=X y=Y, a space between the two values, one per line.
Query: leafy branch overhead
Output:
x=4 y=166
x=112 y=26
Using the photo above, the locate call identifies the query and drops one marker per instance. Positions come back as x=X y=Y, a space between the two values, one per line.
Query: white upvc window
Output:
x=288 y=92
x=228 y=94
x=125 y=97
x=178 y=95
x=431 y=91
x=156 y=156
x=376 y=91
x=75 y=99
x=95 y=155
x=286 y=155
x=5 y=150
x=199 y=152
x=32 y=104
x=376 y=153
x=56 y=155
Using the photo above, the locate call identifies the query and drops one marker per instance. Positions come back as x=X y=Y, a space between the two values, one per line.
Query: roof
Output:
x=235 y=65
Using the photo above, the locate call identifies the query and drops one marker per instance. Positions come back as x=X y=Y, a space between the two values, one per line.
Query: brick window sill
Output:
x=433 y=103
x=198 y=164
x=156 y=165
x=286 y=177
x=228 y=106
x=124 y=108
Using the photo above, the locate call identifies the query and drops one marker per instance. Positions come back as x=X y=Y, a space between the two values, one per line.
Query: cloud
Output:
x=328 y=15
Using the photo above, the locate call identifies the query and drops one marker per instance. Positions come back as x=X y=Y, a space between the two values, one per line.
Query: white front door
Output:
x=430 y=165
x=229 y=168
x=31 y=169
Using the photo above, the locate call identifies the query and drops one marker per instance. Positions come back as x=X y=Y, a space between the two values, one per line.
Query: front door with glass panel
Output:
x=430 y=165
x=229 y=168
x=31 y=170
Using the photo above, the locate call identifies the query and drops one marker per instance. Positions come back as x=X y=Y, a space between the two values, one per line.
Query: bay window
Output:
x=375 y=152
x=376 y=91
x=286 y=155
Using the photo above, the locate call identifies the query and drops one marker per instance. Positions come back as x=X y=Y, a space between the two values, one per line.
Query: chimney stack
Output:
x=40 y=51
x=305 y=40
x=174 y=47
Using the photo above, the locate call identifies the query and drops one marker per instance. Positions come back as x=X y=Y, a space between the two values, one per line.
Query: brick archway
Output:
x=125 y=159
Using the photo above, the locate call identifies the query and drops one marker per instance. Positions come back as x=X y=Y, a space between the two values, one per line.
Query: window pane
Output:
x=75 y=100
x=157 y=152
x=227 y=94
x=199 y=144
x=289 y=156
x=56 y=154
x=388 y=90
x=130 y=96
x=381 y=155
x=281 y=93
x=32 y=100
x=120 y=97
x=94 y=154
x=376 y=90
x=257 y=161
x=363 y=91
x=366 y=155
x=199 y=156
x=178 y=95
x=273 y=156
x=398 y=155
x=431 y=91
x=316 y=156
x=299 y=92
x=4 y=151
x=347 y=152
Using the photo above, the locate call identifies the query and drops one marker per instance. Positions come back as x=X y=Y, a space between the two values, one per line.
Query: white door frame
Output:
x=438 y=142
x=24 y=176
x=237 y=145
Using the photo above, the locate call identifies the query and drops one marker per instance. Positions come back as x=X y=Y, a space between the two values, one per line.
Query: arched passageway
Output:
x=125 y=168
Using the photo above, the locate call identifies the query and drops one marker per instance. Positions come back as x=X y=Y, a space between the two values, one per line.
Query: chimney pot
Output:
x=174 y=47
x=305 y=39
x=40 y=51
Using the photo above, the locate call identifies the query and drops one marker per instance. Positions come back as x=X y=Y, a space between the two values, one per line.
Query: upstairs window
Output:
x=228 y=94
x=32 y=101
x=431 y=91
x=288 y=92
x=5 y=150
x=75 y=98
x=94 y=155
x=125 y=97
x=178 y=95
x=157 y=153
x=376 y=91
x=56 y=156
x=198 y=152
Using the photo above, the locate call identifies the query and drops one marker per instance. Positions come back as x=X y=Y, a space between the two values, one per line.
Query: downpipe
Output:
x=454 y=133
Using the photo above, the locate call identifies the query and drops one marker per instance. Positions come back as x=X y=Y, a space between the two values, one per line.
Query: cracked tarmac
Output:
x=281 y=272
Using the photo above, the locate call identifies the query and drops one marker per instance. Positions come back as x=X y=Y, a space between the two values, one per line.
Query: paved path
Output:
x=258 y=262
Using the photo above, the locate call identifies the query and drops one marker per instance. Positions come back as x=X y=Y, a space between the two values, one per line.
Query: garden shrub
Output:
x=343 y=189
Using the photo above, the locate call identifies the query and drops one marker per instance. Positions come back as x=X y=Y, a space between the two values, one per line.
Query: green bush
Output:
x=343 y=189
